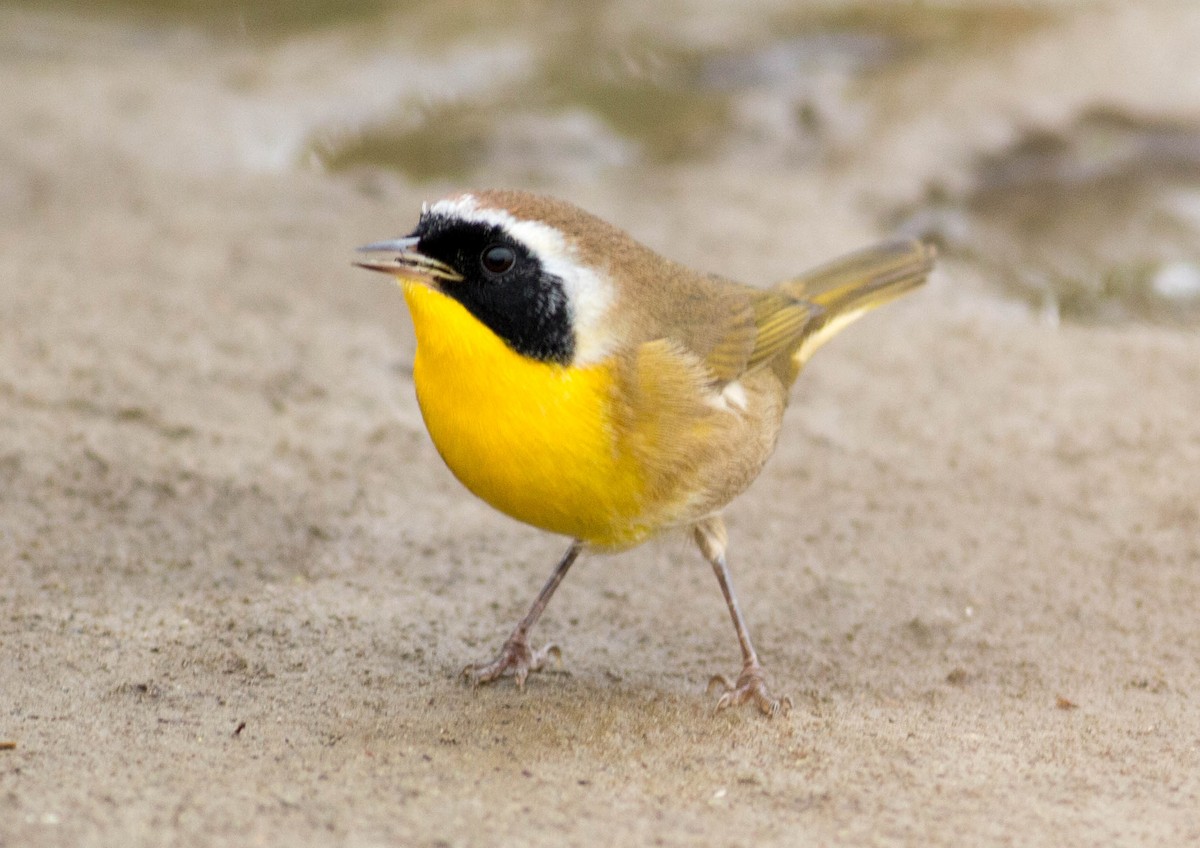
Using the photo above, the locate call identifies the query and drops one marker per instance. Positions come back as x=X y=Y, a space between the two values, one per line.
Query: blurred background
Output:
x=1053 y=148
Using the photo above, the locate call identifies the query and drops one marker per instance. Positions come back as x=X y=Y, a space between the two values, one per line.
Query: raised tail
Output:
x=848 y=287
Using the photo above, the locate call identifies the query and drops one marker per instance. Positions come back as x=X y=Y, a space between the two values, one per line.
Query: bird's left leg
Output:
x=517 y=657
x=751 y=684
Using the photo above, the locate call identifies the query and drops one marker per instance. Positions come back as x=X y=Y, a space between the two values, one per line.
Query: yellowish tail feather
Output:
x=849 y=287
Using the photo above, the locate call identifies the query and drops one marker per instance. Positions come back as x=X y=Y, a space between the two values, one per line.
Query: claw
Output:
x=751 y=685
x=515 y=658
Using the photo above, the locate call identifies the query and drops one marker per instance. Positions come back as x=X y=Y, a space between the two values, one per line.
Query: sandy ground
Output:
x=237 y=584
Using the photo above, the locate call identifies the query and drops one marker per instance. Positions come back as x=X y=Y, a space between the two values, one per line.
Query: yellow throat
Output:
x=533 y=439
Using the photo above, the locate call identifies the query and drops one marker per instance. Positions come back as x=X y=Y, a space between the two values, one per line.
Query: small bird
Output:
x=581 y=383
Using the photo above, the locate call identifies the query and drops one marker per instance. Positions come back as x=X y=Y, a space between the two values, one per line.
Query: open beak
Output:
x=402 y=258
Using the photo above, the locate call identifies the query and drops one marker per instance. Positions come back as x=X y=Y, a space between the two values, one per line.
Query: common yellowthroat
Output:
x=581 y=383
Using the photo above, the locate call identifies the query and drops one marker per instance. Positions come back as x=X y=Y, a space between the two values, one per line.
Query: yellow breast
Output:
x=533 y=439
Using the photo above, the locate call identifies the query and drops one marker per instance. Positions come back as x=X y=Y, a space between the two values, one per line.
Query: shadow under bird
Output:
x=579 y=382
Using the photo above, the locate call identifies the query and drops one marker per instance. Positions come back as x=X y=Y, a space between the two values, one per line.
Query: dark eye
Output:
x=498 y=258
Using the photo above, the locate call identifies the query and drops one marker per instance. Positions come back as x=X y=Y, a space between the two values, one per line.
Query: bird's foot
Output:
x=515 y=658
x=751 y=685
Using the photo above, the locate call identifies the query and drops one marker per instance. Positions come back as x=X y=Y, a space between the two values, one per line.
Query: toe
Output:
x=515 y=658
x=542 y=655
x=751 y=686
x=720 y=683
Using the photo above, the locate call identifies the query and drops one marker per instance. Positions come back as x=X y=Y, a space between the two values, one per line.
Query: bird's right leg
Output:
x=751 y=684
